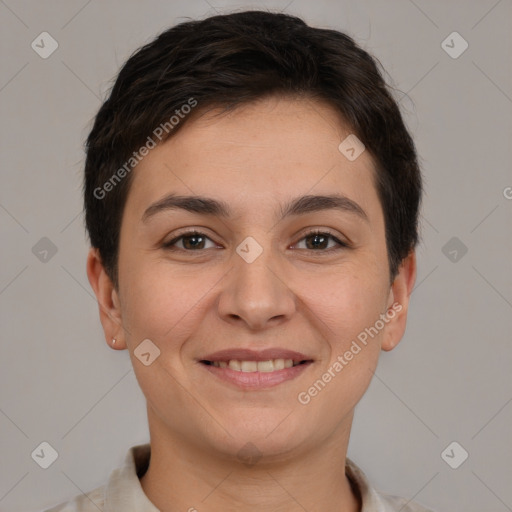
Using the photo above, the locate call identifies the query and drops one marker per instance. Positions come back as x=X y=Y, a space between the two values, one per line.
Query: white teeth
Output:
x=265 y=366
x=255 y=366
x=235 y=365
x=279 y=364
x=249 y=366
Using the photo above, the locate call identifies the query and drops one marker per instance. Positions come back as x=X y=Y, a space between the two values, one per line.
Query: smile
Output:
x=255 y=366
x=253 y=375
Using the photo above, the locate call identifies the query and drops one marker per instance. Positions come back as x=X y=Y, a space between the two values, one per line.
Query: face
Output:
x=255 y=268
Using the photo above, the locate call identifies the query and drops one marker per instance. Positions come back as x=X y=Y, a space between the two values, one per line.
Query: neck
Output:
x=185 y=477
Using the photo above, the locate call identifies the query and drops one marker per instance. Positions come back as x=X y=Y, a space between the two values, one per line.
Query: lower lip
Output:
x=256 y=380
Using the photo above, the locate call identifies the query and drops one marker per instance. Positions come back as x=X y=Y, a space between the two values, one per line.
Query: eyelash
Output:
x=342 y=245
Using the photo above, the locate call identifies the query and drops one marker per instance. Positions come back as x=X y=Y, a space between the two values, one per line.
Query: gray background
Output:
x=448 y=380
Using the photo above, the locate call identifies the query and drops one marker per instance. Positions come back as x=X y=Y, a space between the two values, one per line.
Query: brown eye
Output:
x=191 y=241
x=319 y=241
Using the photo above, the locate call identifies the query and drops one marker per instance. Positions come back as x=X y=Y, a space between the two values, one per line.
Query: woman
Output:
x=251 y=196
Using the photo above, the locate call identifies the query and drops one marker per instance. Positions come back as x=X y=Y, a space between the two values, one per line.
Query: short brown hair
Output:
x=232 y=59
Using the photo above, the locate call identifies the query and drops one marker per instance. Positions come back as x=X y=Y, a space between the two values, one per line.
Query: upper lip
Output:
x=242 y=354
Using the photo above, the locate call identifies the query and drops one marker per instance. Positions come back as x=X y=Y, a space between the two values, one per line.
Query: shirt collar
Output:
x=370 y=500
x=124 y=491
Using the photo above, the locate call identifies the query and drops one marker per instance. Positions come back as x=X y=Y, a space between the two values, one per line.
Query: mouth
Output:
x=271 y=365
x=254 y=375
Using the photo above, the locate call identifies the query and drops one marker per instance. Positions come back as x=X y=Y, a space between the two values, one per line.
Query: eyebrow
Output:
x=299 y=206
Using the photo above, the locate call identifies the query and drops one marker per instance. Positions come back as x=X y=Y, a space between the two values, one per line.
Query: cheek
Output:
x=343 y=306
x=346 y=298
x=160 y=302
x=345 y=314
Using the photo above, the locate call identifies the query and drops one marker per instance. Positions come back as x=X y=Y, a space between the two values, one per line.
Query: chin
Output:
x=268 y=439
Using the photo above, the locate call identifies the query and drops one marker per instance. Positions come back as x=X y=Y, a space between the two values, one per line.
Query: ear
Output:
x=398 y=303
x=108 y=300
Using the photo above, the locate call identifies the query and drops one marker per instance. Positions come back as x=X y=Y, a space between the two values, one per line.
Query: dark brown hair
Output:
x=228 y=60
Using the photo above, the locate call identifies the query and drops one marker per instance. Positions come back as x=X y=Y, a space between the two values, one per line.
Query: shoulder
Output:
x=122 y=490
x=90 y=502
x=377 y=501
x=396 y=503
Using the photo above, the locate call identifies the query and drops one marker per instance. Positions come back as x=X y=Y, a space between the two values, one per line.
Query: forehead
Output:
x=257 y=154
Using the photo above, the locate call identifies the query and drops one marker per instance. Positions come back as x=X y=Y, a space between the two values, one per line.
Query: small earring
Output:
x=113 y=341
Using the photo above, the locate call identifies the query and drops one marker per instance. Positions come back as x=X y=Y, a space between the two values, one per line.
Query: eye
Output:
x=190 y=241
x=319 y=241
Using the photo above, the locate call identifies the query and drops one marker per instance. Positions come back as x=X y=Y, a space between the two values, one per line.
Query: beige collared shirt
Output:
x=123 y=492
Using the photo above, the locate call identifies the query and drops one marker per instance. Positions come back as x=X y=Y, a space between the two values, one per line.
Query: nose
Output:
x=256 y=294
